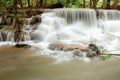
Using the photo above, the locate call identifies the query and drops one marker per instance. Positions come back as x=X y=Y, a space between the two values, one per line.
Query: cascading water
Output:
x=86 y=16
x=109 y=20
x=75 y=27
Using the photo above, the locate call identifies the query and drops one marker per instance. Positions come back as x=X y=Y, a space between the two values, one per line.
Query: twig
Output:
x=112 y=54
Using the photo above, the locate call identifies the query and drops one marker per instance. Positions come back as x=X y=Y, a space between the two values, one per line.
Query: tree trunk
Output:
x=28 y=3
x=108 y=4
x=15 y=6
x=45 y=3
x=84 y=3
x=114 y=5
x=94 y=3
x=20 y=2
x=40 y=3
x=90 y=4
x=103 y=6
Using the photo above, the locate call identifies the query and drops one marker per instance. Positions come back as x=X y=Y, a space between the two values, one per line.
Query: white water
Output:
x=74 y=26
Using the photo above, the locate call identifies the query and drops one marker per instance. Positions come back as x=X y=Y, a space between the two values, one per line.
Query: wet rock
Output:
x=91 y=50
x=35 y=20
x=77 y=53
x=65 y=47
x=22 y=46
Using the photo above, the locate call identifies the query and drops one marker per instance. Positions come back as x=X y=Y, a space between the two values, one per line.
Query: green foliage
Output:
x=24 y=3
x=9 y=3
x=16 y=16
x=66 y=3
x=105 y=54
x=99 y=3
x=103 y=57
x=0 y=10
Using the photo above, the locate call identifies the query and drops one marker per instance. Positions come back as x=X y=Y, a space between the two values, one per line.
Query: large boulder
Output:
x=65 y=47
x=35 y=20
x=91 y=50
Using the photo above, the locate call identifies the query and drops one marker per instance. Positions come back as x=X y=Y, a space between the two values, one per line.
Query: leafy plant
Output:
x=105 y=54
x=16 y=16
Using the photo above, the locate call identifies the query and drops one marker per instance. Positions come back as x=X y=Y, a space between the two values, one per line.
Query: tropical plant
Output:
x=105 y=54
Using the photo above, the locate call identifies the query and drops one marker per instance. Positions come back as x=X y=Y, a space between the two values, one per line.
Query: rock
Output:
x=35 y=20
x=92 y=50
x=78 y=53
x=1 y=20
x=65 y=47
x=22 y=46
x=9 y=21
x=78 y=50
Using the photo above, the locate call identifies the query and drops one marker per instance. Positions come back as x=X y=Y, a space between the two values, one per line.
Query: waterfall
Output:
x=109 y=20
x=73 y=27
x=6 y=35
x=109 y=14
x=9 y=36
x=87 y=16
x=1 y=39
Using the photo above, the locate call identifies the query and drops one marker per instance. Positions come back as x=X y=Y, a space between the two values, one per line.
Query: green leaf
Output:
x=105 y=54
x=16 y=16
x=102 y=58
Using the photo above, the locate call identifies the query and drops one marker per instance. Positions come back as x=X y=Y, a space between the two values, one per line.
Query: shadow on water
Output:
x=22 y=64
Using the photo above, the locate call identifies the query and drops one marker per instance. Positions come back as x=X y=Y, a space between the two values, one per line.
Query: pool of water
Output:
x=24 y=64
